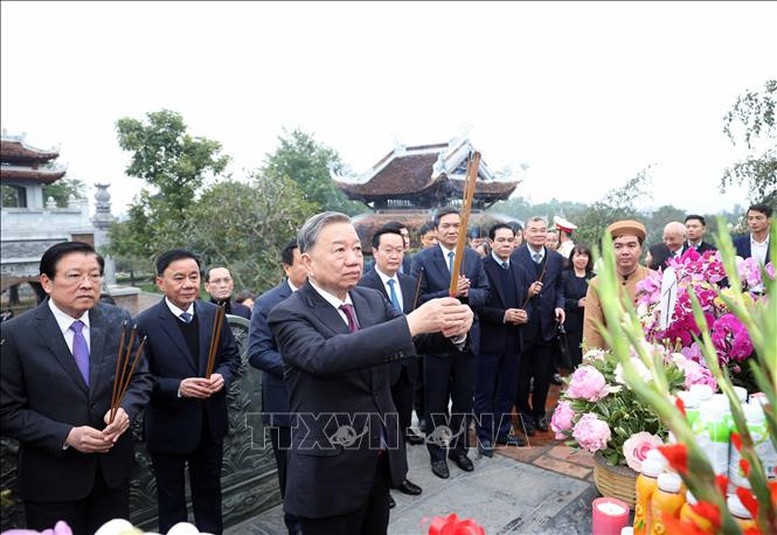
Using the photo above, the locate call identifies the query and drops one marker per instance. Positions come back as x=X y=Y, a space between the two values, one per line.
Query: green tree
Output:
x=301 y=158
x=62 y=189
x=244 y=226
x=751 y=122
x=618 y=203
x=175 y=165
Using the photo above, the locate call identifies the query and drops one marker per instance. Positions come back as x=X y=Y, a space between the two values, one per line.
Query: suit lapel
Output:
x=440 y=263
x=492 y=268
x=98 y=336
x=408 y=292
x=366 y=318
x=49 y=332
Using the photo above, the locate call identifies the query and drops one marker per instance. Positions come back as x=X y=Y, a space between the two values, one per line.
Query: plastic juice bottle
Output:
x=722 y=401
x=740 y=513
x=756 y=425
x=646 y=485
x=691 y=403
x=712 y=435
x=688 y=514
x=667 y=500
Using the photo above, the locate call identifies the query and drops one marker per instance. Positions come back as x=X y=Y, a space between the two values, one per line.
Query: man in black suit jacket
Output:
x=756 y=242
x=673 y=246
x=263 y=354
x=73 y=464
x=695 y=228
x=186 y=420
x=219 y=285
x=336 y=339
x=502 y=317
x=450 y=376
x=543 y=267
x=399 y=290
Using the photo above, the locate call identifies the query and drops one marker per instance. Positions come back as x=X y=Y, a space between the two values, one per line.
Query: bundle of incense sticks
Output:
x=215 y=336
x=539 y=279
x=473 y=165
x=124 y=369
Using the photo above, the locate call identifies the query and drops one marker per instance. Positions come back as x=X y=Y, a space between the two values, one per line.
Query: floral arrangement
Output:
x=704 y=277
x=600 y=413
x=626 y=336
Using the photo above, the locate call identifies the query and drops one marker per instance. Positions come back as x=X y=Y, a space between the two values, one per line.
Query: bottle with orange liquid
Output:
x=646 y=485
x=689 y=515
x=667 y=500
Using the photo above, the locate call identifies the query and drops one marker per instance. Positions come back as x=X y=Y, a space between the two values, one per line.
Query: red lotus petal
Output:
x=710 y=511
x=748 y=500
x=737 y=440
x=676 y=455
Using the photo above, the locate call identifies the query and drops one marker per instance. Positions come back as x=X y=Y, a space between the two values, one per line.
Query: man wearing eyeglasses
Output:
x=219 y=285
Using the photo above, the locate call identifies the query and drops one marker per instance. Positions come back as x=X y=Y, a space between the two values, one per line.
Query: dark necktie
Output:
x=505 y=265
x=451 y=254
x=350 y=313
x=80 y=349
x=186 y=317
x=393 y=295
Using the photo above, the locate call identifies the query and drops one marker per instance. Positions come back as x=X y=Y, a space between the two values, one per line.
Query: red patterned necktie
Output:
x=350 y=313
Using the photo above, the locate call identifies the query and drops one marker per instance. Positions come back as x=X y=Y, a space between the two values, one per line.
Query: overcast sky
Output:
x=585 y=94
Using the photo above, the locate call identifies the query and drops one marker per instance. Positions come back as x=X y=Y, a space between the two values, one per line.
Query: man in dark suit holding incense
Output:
x=186 y=420
x=57 y=374
x=335 y=340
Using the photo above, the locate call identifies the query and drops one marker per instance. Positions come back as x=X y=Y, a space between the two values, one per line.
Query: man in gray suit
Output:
x=58 y=365
x=335 y=339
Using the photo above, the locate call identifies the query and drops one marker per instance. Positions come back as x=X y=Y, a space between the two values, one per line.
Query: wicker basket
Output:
x=615 y=481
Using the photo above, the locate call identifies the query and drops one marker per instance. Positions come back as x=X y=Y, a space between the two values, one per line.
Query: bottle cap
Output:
x=754 y=413
x=655 y=455
x=702 y=392
x=689 y=399
x=736 y=508
x=652 y=467
x=721 y=400
x=741 y=393
x=670 y=482
x=711 y=412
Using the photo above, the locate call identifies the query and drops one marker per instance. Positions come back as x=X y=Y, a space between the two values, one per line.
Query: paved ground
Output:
x=543 y=488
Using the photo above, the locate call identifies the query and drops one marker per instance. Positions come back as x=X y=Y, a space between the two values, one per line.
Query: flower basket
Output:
x=615 y=481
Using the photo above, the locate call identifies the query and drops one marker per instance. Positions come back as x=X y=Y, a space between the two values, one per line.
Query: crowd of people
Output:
x=462 y=337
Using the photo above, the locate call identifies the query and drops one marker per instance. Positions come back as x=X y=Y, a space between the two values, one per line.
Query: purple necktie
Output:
x=80 y=349
x=350 y=313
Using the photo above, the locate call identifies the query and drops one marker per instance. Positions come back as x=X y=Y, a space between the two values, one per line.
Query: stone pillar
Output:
x=102 y=221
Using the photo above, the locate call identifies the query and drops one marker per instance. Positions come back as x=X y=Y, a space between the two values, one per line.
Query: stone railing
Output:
x=248 y=478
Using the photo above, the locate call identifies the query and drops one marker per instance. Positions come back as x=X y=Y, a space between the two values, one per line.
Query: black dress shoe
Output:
x=511 y=440
x=413 y=439
x=485 y=448
x=392 y=503
x=541 y=423
x=528 y=426
x=462 y=461
x=440 y=469
x=408 y=487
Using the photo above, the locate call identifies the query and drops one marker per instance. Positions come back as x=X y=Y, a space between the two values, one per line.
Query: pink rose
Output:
x=587 y=383
x=591 y=433
x=636 y=447
x=561 y=422
x=695 y=373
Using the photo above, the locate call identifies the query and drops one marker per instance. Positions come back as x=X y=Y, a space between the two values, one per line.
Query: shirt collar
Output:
x=177 y=311
x=385 y=278
x=499 y=260
x=293 y=288
x=445 y=250
x=65 y=320
x=330 y=298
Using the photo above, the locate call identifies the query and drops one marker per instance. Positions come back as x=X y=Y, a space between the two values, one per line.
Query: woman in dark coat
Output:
x=575 y=279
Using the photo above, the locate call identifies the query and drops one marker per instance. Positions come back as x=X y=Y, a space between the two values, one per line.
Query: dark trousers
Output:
x=449 y=377
x=495 y=386
x=281 y=444
x=205 y=480
x=536 y=361
x=84 y=516
x=370 y=519
x=402 y=395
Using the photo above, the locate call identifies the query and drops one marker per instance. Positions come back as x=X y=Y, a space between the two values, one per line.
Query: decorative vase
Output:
x=615 y=481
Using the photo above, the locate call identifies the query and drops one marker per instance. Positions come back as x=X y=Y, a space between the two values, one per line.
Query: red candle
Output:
x=610 y=515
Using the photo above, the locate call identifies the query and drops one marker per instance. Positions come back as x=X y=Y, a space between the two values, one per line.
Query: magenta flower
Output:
x=561 y=422
x=730 y=339
x=591 y=433
x=587 y=383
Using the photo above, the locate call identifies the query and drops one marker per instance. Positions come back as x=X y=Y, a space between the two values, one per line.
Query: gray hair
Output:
x=537 y=219
x=308 y=234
